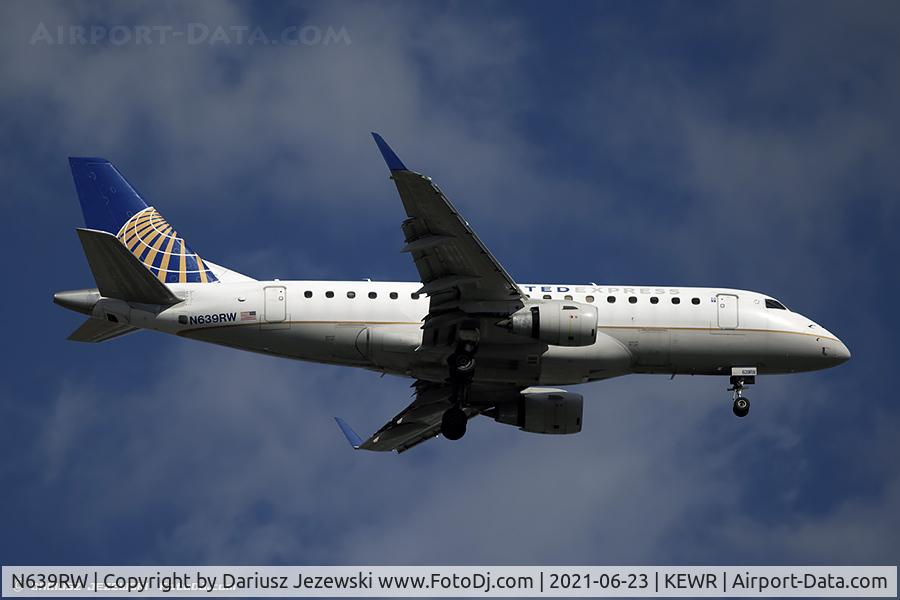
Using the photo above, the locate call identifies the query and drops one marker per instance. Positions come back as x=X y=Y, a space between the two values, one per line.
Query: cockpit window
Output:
x=774 y=304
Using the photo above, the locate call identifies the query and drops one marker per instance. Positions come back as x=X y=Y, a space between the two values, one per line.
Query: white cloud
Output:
x=224 y=136
x=765 y=154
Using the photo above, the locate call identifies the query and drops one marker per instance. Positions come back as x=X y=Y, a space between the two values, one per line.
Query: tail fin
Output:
x=109 y=203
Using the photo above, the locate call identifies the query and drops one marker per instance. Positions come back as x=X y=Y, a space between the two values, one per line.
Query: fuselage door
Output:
x=276 y=304
x=728 y=311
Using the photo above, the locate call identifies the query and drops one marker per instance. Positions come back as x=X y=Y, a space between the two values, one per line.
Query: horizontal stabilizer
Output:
x=119 y=273
x=96 y=330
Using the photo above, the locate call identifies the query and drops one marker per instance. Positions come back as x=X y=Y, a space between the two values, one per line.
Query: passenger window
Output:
x=676 y=300
x=307 y=294
x=589 y=299
x=393 y=295
x=611 y=299
x=329 y=294
x=654 y=300
x=373 y=295
x=695 y=300
x=547 y=296
x=567 y=297
x=414 y=296
x=351 y=294
x=632 y=299
x=774 y=304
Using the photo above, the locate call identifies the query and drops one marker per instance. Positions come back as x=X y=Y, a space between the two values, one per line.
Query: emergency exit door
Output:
x=728 y=311
x=276 y=304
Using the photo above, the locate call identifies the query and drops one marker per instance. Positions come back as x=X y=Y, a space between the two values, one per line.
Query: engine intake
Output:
x=549 y=411
x=558 y=323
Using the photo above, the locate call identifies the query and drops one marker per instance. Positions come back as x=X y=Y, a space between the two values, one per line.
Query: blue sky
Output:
x=750 y=145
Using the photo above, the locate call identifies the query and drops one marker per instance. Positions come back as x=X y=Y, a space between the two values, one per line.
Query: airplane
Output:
x=474 y=341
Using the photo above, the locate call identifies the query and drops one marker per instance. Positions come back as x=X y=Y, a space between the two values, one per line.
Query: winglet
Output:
x=393 y=162
x=348 y=432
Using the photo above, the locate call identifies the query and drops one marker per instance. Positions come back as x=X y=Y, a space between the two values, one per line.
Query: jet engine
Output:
x=558 y=323
x=542 y=410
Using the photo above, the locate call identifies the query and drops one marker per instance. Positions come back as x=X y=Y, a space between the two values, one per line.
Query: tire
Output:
x=461 y=364
x=741 y=407
x=464 y=363
x=453 y=423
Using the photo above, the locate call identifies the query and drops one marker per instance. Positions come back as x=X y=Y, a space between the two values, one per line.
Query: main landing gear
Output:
x=462 y=368
x=741 y=406
x=745 y=377
x=453 y=423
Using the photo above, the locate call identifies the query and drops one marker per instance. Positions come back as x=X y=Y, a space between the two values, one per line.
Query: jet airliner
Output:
x=474 y=341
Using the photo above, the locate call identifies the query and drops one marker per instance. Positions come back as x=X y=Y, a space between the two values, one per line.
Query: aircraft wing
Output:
x=450 y=258
x=421 y=420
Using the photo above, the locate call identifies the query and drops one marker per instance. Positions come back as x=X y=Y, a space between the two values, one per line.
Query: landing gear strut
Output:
x=740 y=377
x=462 y=368
x=741 y=405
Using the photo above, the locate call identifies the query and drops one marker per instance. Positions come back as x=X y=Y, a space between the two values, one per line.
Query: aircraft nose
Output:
x=835 y=351
x=841 y=352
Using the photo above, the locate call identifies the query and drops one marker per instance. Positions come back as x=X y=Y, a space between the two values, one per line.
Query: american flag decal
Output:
x=248 y=315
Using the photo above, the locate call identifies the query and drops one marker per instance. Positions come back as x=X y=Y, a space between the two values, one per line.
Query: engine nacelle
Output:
x=558 y=323
x=542 y=410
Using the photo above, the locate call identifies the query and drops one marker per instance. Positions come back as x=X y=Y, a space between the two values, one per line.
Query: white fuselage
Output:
x=378 y=325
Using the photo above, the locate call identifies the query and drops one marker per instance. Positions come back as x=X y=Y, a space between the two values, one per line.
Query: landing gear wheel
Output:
x=741 y=406
x=453 y=423
x=461 y=364
x=738 y=381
